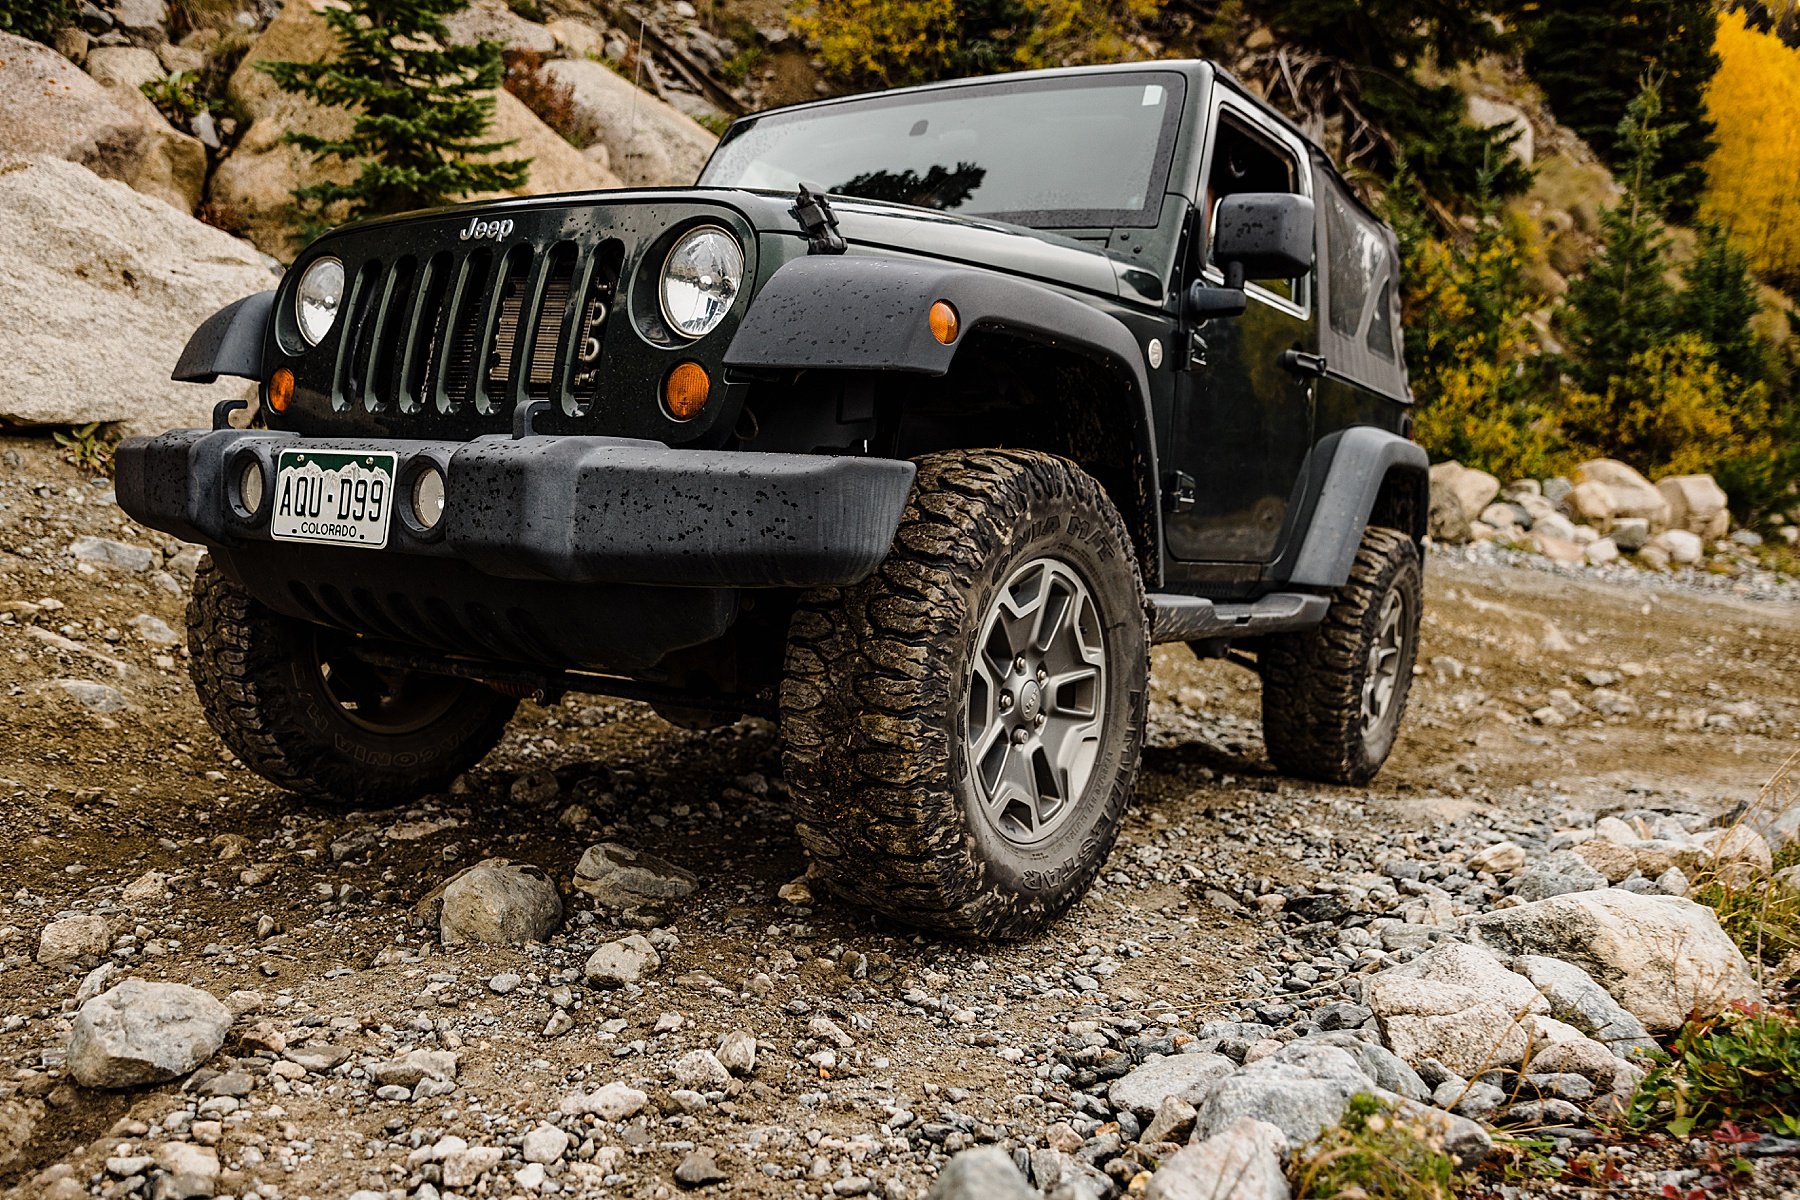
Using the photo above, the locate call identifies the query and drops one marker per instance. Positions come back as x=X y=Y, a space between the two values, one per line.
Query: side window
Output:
x=1362 y=276
x=1246 y=161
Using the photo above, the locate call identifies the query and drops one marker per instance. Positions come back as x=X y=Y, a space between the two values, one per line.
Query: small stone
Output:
x=95 y=697
x=154 y=630
x=699 y=1169
x=149 y=888
x=192 y=1171
x=796 y=892
x=504 y=984
x=111 y=553
x=499 y=902
x=78 y=939
x=546 y=1144
x=1190 y=1076
x=737 y=1052
x=614 y=1102
x=464 y=1168
x=700 y=1070
x=140 y=1033
x=622 y=878
x=1246 y=1152
x=1502 y=858
x=985 y=1173
x=622 y=963
x=414 y=1066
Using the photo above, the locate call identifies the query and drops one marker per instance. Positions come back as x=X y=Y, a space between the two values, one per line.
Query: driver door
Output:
x=1243 y=406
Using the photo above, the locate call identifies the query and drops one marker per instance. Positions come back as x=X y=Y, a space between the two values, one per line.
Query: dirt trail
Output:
x=107 y=771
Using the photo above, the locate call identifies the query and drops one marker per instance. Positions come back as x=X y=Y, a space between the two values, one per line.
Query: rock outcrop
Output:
x=647 y=143
x=48 y=107
x=256 y=182
x=109 y=285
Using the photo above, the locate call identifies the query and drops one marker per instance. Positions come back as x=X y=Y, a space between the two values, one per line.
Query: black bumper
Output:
x=581 y=551
x=572 y=509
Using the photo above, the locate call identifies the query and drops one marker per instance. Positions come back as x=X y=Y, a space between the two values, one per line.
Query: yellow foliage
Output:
x=891 y=43
x=1753 y=178
x=885 y=42
x=1684 y=416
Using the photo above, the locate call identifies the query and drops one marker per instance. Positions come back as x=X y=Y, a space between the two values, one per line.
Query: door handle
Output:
x=1302 y=363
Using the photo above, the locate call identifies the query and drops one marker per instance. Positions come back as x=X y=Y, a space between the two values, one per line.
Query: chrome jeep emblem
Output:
x=479 y=228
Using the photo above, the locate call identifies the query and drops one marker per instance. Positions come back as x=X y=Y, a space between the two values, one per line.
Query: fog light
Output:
x=250 y=487
x=428 y=498
x=684 y=391
x=943 y=321
x=281 y=390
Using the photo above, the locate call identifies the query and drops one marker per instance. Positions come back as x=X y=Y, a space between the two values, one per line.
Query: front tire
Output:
x=288 y=699
x=961 y=731
x=1333 y=695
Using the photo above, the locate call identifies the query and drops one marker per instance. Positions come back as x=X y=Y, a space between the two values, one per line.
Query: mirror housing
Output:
x=1263 y=235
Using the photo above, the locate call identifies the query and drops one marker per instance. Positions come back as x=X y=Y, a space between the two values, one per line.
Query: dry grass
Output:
x=1761 y=913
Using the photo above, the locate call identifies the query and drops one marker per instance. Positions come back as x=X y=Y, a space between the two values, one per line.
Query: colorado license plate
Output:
x=339 y=499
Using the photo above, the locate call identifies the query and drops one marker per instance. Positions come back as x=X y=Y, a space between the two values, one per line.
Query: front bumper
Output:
x=563 y=551
x=568 y=509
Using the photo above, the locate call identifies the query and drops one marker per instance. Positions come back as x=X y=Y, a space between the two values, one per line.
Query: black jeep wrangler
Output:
x=913 y=425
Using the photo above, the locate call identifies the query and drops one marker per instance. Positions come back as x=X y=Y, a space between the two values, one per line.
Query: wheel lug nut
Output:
x=1019 y=664
x=1019 y=736
x=1043 y=676
x=1006 y=700
x=1040 y=720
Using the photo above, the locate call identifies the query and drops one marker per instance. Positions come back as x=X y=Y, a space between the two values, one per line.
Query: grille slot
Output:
x=547 y=340
x=503 y=347
x=458 y=372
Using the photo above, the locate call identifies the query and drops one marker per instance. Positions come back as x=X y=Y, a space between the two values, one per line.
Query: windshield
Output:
x=1063 y=152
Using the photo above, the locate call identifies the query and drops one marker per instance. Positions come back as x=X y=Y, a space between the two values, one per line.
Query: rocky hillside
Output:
x=120 y=230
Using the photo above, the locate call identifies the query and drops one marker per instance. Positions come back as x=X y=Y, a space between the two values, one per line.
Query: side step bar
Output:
x=1177 y=618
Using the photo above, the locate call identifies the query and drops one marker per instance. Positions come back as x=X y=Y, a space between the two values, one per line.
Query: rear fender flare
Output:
x=1356 y=463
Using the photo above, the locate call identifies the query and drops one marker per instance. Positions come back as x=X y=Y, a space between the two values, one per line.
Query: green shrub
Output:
x=1374 y=1154
x=1742 y=1066
x=36 y=19
x=176 y=96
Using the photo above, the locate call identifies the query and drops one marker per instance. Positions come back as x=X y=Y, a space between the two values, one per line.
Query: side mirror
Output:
x=1263 y=235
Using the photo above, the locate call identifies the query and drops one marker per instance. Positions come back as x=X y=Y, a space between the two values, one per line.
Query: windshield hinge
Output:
x=817 y=221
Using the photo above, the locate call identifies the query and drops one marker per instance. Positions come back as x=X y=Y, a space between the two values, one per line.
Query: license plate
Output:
x=339 y=499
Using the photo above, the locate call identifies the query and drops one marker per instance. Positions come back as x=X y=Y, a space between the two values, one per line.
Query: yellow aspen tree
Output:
x=1753 y=177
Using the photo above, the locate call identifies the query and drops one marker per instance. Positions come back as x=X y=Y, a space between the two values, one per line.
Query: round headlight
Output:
x=700 y=280
x=316 y=299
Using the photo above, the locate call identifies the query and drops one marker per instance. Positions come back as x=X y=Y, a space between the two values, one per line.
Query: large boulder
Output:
x=1241 y=1161
x=48 y=107
x=1631 y=494
x=106 y=285
x=647 y=143
x=257 y=181
x=1458 y=496
x=1697 y=504
x=1660 y=957
x=140 y=1033
x=1456 y=1004
x=493 y=21
x=1189 y=1076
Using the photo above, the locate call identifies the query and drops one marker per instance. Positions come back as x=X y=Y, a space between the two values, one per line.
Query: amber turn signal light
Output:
x=943 y=321
x=281 y=390
x=685 y=391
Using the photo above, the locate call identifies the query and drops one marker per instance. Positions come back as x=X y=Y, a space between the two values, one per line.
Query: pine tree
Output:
x=1718 y=301
x=421 y=110
x=1622 y=305
x=1588 y=56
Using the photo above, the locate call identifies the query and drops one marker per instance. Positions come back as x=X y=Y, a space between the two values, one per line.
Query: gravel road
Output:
x=1542 y=701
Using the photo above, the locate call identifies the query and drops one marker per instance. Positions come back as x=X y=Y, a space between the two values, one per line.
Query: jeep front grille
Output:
x=477 y=331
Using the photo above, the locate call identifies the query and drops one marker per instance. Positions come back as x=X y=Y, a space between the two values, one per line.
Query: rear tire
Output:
x=296 y=708
x=935 y=779
x=1333 y=695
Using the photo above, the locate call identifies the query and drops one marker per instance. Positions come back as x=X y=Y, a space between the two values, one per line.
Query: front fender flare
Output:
x=862 y=313
x=230 y=342
x=1355 y=463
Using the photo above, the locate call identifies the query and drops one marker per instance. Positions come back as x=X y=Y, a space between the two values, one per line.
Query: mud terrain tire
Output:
x=1316 y=684
x=884 y=678
x=262 y=689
